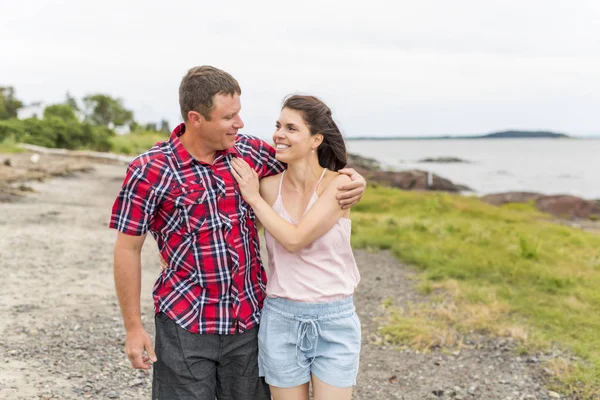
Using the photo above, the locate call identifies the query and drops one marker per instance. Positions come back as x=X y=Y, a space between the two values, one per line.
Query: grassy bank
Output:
x=136 y=143
x=9 y=145
x=508 y=271
x=131 y=144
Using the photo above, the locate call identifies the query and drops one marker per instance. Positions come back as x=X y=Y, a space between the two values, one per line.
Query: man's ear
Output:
x=195 y=118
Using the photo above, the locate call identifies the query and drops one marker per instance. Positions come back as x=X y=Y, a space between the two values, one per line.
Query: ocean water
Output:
x=548 y=166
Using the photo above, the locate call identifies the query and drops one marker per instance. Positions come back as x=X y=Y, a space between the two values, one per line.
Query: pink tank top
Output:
x=325 y=270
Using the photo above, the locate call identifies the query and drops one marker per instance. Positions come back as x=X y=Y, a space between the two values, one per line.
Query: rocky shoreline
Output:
x=561 y=206
x=22 y=167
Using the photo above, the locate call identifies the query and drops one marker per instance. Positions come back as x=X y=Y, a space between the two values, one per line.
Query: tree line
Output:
x=71 y=124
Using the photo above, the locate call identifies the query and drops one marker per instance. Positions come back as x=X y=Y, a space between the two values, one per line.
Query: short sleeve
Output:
x=135 y=205
x=269 y=164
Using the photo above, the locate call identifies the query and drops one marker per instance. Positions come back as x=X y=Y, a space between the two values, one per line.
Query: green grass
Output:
x=135 y=143
x=131 y=144
x=509 y=269
x=9 y=145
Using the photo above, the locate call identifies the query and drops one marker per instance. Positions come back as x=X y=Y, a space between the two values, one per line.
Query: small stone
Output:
x=112 y=395
x=136 y=382
x=553 y=395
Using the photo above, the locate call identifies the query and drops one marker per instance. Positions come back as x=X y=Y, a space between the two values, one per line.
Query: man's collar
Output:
x=183 y=157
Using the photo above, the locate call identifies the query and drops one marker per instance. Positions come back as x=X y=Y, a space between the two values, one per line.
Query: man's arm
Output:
x=128 y=282
x=268 y=165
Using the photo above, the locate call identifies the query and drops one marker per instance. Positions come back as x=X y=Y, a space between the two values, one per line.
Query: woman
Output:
x=309 y=329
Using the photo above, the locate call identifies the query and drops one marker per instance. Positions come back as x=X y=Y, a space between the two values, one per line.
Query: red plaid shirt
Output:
x=204 y=229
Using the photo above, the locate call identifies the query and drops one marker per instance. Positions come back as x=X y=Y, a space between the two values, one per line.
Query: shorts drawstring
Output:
x=304 y=335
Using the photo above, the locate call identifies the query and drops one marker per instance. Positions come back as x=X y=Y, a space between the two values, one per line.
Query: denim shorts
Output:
x=297 y=339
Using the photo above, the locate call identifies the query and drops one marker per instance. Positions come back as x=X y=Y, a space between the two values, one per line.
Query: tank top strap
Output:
x=320 y=179
x=280 y=185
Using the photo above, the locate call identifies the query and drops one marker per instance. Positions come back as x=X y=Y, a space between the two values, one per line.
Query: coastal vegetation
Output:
x=507 y=271
x=89 y=124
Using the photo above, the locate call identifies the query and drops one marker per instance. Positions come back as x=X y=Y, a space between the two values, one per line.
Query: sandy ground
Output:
x=62 y=335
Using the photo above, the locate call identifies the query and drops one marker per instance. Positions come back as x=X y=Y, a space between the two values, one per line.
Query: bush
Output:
x=60 y=128
x=98 y=137
x=39 y=132
x=57 y=130
x=11 y=128
x=62 y=111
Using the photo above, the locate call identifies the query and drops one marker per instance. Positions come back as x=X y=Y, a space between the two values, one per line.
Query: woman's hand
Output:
x=247 y=179
x=163 y=264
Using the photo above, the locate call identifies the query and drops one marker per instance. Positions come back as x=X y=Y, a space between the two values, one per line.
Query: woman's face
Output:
x=292 y=138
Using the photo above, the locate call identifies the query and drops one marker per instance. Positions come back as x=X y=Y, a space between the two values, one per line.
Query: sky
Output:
x=386 y=68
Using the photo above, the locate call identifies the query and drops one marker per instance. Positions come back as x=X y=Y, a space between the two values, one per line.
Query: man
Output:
x=207 y=302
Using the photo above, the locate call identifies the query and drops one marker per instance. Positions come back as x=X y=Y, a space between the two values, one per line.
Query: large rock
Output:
x=563 y=206
x=566 y=206
x=371 y=164
x=416 y=180
x=498 y=199
x=408 y=180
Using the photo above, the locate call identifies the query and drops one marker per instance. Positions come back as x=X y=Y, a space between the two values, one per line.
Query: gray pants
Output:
x=205 y=367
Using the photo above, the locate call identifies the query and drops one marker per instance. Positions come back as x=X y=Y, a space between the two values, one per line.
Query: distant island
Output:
x=494 y=135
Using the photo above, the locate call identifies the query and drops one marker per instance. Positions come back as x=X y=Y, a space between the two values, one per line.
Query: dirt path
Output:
x=62 y=335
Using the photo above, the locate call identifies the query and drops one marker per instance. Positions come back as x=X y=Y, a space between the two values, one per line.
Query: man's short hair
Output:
x=200 y=85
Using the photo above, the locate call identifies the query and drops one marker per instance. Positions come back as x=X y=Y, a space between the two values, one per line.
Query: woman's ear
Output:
x=318 y=139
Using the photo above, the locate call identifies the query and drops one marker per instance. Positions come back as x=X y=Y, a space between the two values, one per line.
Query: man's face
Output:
x=219 y=133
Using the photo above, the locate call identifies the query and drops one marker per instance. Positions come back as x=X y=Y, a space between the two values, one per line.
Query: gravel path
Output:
x=62 y=336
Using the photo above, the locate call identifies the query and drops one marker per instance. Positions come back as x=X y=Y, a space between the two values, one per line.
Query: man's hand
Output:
x=353 y=191
x=138 y=347
x=128 y=282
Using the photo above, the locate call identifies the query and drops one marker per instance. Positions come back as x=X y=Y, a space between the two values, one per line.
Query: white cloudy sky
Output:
x=405 y=68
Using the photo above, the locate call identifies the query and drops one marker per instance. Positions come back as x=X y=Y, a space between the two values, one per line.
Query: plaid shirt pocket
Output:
x=190 y=203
